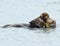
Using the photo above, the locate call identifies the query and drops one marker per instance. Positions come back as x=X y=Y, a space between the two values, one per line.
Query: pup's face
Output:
x=44 y=16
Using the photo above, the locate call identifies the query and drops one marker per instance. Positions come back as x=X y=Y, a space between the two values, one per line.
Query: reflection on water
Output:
x=42 y=30
x=26 y=36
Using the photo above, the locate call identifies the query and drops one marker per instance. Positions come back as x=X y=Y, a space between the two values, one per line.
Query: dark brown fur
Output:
x=42 y=21
x=38 y=23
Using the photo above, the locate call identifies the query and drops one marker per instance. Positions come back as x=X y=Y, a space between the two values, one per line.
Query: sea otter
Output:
x=48 y=21
x=43 y=21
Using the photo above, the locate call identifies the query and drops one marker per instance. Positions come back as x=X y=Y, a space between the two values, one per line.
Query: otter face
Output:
x=49 y=22
x=44 y=16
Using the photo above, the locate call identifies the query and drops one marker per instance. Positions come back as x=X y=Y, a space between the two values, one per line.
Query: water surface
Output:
x=23 y=11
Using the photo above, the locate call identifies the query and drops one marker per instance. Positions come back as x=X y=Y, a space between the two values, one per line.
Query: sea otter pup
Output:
x=48 y=21
x=43 y=21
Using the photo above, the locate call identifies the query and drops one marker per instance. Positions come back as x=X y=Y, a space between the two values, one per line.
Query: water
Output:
x=23 y=11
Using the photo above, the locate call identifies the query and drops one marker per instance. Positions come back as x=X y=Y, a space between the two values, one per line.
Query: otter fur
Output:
x=48 y=21
x=43 y=21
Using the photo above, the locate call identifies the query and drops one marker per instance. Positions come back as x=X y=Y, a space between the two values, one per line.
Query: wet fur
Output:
x=39 y=22
x=48 y=21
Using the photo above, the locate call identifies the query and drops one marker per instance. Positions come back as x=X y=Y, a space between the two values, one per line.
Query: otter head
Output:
x=44 y=16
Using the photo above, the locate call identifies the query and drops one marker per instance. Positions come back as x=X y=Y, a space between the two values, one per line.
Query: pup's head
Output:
x=44 y=16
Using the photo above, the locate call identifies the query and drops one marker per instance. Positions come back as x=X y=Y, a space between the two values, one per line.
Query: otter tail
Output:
x=16 y=25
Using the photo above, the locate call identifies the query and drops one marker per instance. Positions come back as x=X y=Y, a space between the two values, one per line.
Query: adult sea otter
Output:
x=43 y=21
